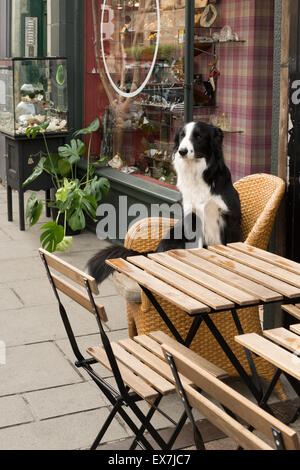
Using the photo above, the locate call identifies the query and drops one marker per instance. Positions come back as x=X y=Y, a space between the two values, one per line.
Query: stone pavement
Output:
x=45 y=402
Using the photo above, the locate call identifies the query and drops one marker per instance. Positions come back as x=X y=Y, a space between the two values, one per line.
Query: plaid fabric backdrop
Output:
x=245 y=85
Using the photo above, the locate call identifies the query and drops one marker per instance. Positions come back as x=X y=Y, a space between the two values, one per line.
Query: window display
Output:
x=35 y=91
x=140 y=52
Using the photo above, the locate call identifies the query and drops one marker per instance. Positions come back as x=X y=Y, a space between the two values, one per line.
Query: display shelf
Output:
x=36 y=93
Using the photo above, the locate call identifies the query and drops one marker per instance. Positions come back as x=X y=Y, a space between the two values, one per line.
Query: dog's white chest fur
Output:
x=197 y=197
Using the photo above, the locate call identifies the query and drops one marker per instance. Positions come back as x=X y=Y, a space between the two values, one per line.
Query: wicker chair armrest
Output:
x=146 y=234
x=259 y=235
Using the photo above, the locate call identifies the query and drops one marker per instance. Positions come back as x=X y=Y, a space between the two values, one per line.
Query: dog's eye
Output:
x=198 y=136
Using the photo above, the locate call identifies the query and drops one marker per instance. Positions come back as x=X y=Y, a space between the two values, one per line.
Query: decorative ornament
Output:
x=116 y=163
x=209 y=16
x=226 y=34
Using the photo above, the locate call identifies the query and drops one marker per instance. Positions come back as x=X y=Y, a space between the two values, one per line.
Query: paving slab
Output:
x=43 y=323
x=34 y=367
x=59 y=401
x=85 y=342
x=13 y=410
x=12 y=249
x=13 y=270
x=115 y=307
x=9 y=299
x=69 y=432
x=4 y=238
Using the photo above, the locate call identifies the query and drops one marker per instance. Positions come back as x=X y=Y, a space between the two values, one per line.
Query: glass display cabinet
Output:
x=33 y=91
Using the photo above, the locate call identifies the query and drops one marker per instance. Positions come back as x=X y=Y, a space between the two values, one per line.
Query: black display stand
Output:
x=22 y=155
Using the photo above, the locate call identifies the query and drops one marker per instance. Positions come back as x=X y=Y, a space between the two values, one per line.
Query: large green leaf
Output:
x=64 y=167
x=51 y=237
x=93 y=127
x=38 y=170
x=32 y=131
x=51 y=164
x=34 y=208
x=96 y=187
x=72 y=152
x=77 y=220
x=65 y=244
x=62 y=193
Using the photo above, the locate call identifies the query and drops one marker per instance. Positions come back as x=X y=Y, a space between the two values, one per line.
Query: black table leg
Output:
x=250 y=360
x=9 y=204
x=21 y=210
x=232 y=358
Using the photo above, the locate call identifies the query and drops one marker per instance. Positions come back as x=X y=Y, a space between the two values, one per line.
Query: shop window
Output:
x=141 y=63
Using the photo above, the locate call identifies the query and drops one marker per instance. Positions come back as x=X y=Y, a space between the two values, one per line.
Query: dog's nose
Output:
x=183 y=152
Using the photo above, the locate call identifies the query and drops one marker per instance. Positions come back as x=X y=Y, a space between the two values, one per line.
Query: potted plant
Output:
x=75 y=196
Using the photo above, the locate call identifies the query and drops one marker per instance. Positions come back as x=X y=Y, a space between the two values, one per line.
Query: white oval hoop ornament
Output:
x=138 y=90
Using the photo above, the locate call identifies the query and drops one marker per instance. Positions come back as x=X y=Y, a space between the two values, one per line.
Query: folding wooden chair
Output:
x=138 y=366
x=131 y=388
x=234 y=405
x=280 y=347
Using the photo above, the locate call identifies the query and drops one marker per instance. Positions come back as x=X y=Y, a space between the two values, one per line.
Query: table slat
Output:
x=233 y=279
x=258 y=264
x=182 y=283
x=250 y=273
x=263 y=255
x=236 y=295
x=160 y=288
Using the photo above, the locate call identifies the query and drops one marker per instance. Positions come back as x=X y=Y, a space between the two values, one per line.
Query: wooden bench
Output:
x=272 y=433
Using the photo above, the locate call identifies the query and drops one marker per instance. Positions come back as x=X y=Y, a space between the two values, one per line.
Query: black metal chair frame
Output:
x=122 y=397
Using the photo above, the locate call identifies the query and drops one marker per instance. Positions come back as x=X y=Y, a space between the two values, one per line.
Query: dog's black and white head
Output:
x=199 y=140
x=202 y=144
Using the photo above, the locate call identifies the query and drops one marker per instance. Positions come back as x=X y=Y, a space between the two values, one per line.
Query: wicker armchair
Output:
x=260 y=196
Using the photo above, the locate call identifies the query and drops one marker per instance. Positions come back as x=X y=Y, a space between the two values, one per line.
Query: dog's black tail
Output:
x=97 y=267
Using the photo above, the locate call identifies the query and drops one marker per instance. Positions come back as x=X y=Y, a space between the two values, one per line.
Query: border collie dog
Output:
x=210 y=203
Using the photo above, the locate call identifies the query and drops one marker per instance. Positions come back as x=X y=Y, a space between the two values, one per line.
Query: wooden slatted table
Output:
x=221 y=278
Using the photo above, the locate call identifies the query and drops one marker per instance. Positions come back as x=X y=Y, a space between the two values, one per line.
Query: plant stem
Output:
x=88 y=161
x=65 y=224
x=49 y=155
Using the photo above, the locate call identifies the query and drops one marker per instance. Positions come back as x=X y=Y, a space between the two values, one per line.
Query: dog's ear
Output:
x=216 y=165
x=176 y=139
x=217 y=137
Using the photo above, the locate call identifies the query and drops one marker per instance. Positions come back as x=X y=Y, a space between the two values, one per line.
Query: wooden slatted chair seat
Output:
x=143 y=365
x=273 y=353
x=281 y=348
